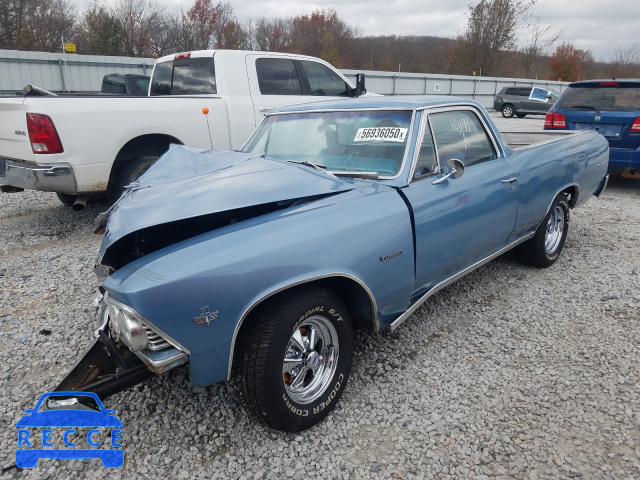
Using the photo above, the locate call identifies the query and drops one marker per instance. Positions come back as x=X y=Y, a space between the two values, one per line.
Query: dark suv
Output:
x=521 y=101
x=611 y=107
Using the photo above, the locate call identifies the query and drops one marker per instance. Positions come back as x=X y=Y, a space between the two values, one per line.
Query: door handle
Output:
x=510 y=180
x=265 y=109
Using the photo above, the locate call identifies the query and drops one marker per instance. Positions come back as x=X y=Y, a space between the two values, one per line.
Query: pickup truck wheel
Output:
x=294 y=360
x=508 y=111
x=546 y=245
x=129 y=174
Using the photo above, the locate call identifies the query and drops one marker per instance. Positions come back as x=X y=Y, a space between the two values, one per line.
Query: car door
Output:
x=460 y=221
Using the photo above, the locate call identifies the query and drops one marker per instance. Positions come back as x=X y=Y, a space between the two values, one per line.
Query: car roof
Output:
x=608 y=82
x=408 y=102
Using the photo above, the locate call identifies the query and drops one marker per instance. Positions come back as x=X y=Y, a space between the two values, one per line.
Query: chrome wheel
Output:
x=310 y=360
x=555 y=229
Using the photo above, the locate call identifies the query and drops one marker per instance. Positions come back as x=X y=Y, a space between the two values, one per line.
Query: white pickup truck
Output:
x=79 y=146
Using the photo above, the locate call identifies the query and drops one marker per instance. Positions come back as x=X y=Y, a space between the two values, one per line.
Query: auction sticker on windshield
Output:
x=389 y=134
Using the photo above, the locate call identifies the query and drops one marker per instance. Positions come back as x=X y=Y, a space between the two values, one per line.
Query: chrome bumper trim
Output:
x=31 y=176
x=604 y=186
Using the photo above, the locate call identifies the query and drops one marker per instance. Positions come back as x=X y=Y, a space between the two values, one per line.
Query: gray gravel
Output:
x=512 y=372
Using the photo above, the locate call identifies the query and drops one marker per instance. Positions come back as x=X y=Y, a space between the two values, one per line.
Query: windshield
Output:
x=364 y=142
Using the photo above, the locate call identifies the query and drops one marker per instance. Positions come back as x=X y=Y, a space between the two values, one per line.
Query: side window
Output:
x=427 y=164
x=277 y=76
x=323 y=80
x=460 y=134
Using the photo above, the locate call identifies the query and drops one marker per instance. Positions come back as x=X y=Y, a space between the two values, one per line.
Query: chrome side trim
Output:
x=246 y=313
x=396 y=323
x=604 y=186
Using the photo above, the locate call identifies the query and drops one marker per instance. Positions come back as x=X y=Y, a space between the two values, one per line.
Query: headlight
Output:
x=126 y=325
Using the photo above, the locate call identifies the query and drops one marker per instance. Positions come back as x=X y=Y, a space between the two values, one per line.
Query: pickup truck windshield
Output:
x=366 y=142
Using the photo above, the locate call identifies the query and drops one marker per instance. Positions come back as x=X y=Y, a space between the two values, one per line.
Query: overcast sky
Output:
x=600 y=26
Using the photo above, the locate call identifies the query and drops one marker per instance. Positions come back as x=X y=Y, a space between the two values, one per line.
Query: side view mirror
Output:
x=360 y=88
x=456 y=169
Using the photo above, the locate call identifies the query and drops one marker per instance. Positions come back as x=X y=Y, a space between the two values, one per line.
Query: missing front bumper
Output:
x=105 y=370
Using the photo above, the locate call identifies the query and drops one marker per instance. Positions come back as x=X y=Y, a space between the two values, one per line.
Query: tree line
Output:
x=501 y=38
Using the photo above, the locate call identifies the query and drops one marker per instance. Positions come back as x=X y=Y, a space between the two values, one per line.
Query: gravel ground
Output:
x=512 y=372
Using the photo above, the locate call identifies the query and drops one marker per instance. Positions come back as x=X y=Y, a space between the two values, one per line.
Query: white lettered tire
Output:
x=294 y=359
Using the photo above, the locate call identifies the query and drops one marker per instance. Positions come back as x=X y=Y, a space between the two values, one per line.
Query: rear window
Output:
x=522 y=92
x=184 y=76
x=603 y=99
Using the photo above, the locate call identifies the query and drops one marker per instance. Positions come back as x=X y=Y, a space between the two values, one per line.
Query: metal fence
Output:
x=60 y=72
x=83 y=73
x=481 y=89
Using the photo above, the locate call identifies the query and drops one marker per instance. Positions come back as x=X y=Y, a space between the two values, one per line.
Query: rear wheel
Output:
x=67 y=199
x=546 y=245
x=294 y=359
x=507 y=111
x=128 y=175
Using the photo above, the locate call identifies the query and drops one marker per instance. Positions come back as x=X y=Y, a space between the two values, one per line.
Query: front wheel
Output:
x=294 y=359
x=544 y=248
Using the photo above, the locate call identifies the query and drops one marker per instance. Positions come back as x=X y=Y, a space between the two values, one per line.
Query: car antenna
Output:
x=205 y=112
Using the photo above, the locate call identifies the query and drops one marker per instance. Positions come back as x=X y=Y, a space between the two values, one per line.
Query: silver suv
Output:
x=521 y=101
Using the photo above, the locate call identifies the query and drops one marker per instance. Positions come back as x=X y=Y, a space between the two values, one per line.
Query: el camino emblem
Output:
x=205 y=316
x=390 y=255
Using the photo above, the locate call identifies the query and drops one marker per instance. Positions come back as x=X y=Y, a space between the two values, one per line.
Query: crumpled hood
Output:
x=189 y=182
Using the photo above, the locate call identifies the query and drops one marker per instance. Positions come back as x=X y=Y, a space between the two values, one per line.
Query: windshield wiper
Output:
x=584 y=107
x=317 y=166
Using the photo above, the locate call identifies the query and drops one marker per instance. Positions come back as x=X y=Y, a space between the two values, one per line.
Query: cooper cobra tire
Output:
x=544 y=248
x=507 y=110
x=294 y=359
x=129 y=174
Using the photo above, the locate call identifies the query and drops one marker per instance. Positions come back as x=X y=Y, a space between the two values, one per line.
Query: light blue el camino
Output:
x=337 y=216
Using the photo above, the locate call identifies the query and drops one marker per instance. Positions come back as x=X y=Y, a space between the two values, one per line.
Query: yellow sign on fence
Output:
x=70 y=47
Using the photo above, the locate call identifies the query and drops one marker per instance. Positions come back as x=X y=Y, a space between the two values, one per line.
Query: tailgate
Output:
x=615 y=126
x=14 y=137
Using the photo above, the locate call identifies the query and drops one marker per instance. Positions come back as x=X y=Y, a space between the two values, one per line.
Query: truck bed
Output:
x=523 y=140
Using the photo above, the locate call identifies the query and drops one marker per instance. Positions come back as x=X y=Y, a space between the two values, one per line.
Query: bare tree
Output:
x=491 y=30
x=626 y=61
x=271 y=34
x=100 y=33
x=141 y=20
x=309 y=32
x=540 y=44
x=36 y=24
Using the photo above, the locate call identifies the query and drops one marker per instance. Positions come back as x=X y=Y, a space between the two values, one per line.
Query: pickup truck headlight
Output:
x=126 y=325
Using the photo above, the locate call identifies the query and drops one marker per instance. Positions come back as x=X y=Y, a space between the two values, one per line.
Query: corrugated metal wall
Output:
x=83 y=73
x=63 y=72
x=481 y=89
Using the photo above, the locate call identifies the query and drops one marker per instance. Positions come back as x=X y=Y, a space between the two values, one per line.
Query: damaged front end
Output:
x=127 y=350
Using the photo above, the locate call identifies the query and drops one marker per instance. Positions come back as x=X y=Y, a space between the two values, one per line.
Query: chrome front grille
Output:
x=155 y=341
